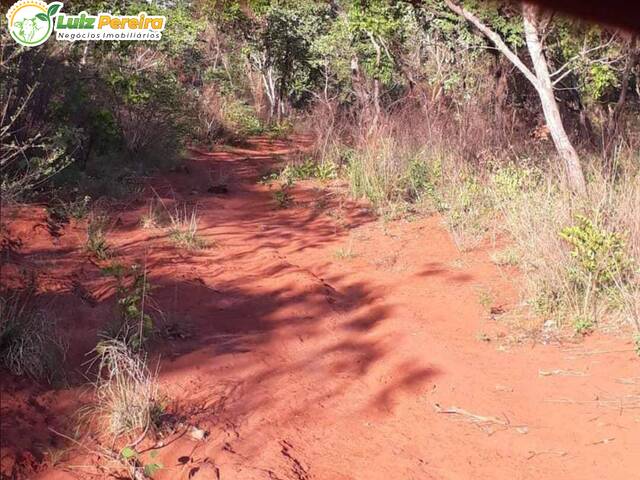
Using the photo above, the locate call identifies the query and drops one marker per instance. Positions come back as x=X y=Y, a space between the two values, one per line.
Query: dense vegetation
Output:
x=509 y=121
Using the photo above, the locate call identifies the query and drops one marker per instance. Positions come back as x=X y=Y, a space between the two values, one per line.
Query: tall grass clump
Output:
x=127 y=402
x=183 y=228
x=29 y=342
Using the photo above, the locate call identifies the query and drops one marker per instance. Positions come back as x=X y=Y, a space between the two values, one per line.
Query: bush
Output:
x=599 y=255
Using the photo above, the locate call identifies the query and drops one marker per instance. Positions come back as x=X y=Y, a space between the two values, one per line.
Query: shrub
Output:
x=240 y=117
x=599 y=255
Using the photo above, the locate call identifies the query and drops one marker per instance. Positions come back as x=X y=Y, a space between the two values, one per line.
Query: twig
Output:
x=546 y=452
x=603 y=441
x=563 y=373
x=473 y=416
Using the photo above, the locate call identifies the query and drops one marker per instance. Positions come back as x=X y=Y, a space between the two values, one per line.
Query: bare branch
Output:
x=495 y=39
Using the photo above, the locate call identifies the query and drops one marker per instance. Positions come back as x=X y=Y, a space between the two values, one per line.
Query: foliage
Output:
x=583 y=325
x=135 y=462
x=599 y=255
x=308 y=169
x=133 y=325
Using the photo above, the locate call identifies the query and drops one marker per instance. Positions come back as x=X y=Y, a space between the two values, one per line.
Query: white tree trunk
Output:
x=541 y=80
x=567 y=153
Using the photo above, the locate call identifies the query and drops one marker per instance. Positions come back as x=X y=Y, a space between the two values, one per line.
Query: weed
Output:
x=485 y=298
x=97 y=243
x=309 y=169
x=467 y=210
x=345 y=253
x=114 y=269
x=268 y=178
x=134 y=325
x=153 y=217
x=508 y=256
x=279 y=129
x=76 y=209
x=583 y=325
x=29 y=344
x=636 y=342
x=282 y=197
x=137 y=466
x=183 y=231
x=510 y=181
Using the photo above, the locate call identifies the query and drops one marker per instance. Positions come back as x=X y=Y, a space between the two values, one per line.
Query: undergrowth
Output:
x=579 y=255
x=29 y=342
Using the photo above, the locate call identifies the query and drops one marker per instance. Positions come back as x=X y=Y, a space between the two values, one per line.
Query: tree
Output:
x=541 y=81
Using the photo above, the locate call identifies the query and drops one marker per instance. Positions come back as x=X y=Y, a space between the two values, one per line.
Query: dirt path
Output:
x=326 y=344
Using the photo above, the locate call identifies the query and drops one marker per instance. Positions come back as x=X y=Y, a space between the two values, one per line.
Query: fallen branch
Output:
x=472 y=416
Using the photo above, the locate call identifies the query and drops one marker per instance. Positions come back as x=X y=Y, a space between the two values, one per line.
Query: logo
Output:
x=30 y=22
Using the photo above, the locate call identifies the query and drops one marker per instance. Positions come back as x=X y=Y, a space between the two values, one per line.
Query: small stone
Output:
x=197 y=433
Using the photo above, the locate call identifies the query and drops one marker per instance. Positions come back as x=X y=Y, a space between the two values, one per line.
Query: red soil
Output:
x=305 y=363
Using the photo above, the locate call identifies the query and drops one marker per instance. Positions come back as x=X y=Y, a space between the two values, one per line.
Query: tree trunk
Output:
x=544 y=87
x=541 y=80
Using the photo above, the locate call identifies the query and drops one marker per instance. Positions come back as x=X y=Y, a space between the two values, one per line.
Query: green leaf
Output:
x=128 y=453
x=151 y=468
x=53 y=9
x=42 y=16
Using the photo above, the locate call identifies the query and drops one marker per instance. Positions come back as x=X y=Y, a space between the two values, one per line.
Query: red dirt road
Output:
x=325 y=344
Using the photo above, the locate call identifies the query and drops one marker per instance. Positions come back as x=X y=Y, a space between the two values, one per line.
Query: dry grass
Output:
x=155 y=216
x=29 y=342
x=183 y=229
x=489 y=185
x=126 y=392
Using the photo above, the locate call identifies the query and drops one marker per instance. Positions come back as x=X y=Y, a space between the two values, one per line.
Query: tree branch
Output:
x=495 y=39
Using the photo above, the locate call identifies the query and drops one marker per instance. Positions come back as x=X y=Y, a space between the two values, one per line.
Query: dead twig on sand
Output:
x=469 y=415
x=533 y=454
x=562 y=373
x=603 y=441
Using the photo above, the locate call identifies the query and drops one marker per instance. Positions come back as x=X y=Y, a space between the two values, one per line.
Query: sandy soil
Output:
x=318 y=342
